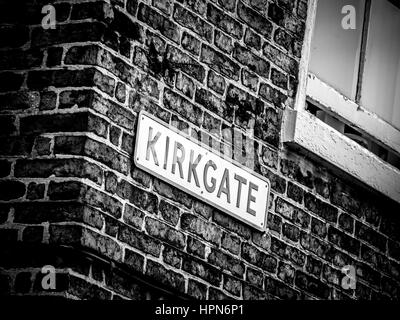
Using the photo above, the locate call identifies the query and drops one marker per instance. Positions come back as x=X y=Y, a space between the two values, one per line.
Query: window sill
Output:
x=302 y=130
x=349 y=112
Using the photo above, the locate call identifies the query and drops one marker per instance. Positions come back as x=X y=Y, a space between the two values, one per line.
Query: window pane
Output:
x=381 y=81
x=335 y=51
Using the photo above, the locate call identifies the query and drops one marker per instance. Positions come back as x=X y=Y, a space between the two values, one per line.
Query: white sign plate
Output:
x=192 y=167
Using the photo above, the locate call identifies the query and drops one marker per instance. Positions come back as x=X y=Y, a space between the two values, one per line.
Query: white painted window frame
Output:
x=303 y=130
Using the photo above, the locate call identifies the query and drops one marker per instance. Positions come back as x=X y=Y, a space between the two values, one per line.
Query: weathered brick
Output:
x=223 y=42
x=104 y=202
x=185 y=85
x=252 y=39
x=204 y=229
x=311 y=285
x=172 y=257
x=33 y=234
x=258 y=258
x=219 y=62
x=313 y=266
x=337 y=257
x=57 y=212
x=274 y=222
x=232 y=285
x=202 y=270
x=127 y=144
x=216 y=82
x=185 y=108
x=165 y=6
x=20 y=100
x=197 y=290
x=165 y=276
x=165 y=233
x=231 y=224
x=226 y=262
x=344 y=199
x=343 y=241
x=314 y=245
x=276 y=14
x=140 y=198
x=193 y=22
x=196 y=247
x=128 y=287
x=394 y=249
x=273 y=95
x=268 y=127
x=198 y=6
x=85 y=290
x=68 y=190
x=131 y=6
x=291 y=232
x=214 y=104
x=224 y=21
x=173 y=193
x=133 y=216
x=287 y=210
x=254 y=20
x=322 y=209
x=279 y=79
x=252 y=293
x=281 y=290
x=139 y=240
x=284 y=39
x=287 y=252
x=98 y=10
x=249 y=79
x=44 y=168
x=253 y=62
x=368 y=274
x=255 y=277
x=91 y=148
x=65 y=78
x=20 y=59
x=231 y=243
x=245 y=104
x=319 y=228
x=169 y=212
x=371 y=236
x=294 y=192
x=158 y=22
x=35 y=191
x=182 y=61
x=12 y=146
x=322 y=187
x=203 y=209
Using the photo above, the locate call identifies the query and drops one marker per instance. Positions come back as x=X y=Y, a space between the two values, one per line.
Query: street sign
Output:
x=191 y=166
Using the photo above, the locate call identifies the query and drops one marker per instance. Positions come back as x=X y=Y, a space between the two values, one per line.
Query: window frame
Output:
x=330 y=145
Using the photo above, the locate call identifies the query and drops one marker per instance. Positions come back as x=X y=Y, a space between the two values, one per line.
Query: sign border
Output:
x=198 y=196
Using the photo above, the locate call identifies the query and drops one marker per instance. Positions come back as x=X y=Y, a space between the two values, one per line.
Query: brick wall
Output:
x=71 y=197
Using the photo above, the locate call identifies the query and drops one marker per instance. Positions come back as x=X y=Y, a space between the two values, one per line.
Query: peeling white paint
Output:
x=334 y=102
x=304 y=130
